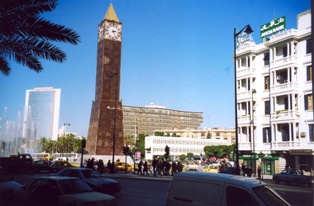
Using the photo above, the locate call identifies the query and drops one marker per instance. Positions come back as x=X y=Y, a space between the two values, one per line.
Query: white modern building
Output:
x=275 y=97
x=155 y=146
x=41 y=114
x=217 y=133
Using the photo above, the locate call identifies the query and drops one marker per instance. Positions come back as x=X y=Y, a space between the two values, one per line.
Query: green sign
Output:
x=273 y=26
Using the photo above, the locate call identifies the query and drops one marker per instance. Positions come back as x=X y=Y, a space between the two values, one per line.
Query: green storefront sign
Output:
x=273 y=26
x=257 y=156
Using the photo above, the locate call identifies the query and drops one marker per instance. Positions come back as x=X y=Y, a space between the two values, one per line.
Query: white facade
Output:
x=155 y=146
x=41 y=114
x=275 y=77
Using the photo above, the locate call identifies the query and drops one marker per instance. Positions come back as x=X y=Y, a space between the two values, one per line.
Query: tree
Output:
x=25 y=36
x=190 y=155
x=140 y=144
x=219 y=151
x=182 y=157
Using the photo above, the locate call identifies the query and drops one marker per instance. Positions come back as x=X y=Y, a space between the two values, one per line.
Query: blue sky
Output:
x=175 y=53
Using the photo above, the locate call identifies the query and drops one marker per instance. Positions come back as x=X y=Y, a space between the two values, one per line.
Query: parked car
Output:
x=204 y=188
x=210 y=168
x=56 y=190
x=93 y=179
x=40 y=165
x=57 y=165
x=120 y=166
x=292 y=175
x=7 y=186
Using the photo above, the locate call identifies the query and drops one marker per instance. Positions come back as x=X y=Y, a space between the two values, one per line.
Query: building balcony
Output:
x=284 y=87
x=245 y=71
x=282 y=61
x=285 y=146
x=285 y=115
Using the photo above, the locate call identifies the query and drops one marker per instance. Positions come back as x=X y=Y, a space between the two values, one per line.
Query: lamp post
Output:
x=248 y=30
x=253 y=162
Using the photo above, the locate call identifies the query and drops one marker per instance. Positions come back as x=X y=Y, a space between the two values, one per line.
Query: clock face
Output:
x=113 y=31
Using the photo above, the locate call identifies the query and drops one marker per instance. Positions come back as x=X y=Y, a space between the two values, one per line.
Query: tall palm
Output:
x=25 y=36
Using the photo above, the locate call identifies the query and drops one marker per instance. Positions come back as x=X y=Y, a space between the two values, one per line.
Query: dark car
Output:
x=96 y=181
x=41 y=165
x=228 y=170
x=7 y=186
x=55 y=190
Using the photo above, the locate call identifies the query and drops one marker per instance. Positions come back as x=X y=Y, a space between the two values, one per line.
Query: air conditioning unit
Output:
x=303 y=134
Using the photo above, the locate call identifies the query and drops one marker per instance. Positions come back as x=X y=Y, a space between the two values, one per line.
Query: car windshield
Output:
x=90 y=173
x=73 y=186
x=269 y=196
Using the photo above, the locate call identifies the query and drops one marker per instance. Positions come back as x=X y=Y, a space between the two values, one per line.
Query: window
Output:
x=308 y=102
x=309 y=46
x=266 y=59
x=284 y=51
x=311 y=132
x=309 y=73
x=267 y=107
x=266 y=82
x=266 y=135
x=238 y=196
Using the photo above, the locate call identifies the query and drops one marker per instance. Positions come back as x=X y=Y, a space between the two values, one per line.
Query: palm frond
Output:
x=4 y=66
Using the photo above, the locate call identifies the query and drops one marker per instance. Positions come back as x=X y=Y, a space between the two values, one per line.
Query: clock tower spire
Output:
x=105 y=134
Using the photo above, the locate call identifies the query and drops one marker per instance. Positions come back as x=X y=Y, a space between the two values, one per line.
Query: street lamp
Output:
x=248 y=30
x=252 y=135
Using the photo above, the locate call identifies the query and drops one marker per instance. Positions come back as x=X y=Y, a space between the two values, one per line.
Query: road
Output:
x=143 y=190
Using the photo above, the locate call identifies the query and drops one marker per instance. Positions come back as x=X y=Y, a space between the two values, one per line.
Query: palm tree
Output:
x=25 y=36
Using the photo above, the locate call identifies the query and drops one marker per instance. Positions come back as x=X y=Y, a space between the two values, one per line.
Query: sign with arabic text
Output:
x=273 y=26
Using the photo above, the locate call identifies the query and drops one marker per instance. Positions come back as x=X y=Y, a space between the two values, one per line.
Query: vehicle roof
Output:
x=54 y=177
x=218 y=177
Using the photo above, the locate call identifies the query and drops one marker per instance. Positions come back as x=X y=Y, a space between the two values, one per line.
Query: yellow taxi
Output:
x=120 y=166
x=57 y=165
x=211 y=168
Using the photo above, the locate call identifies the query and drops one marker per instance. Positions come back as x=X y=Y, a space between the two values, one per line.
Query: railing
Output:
x=285 y=145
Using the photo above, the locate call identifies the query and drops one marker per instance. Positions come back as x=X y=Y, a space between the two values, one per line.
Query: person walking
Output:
x=108 y=166
x=139 y=171
x=154 y=164
x=173 y=168
x=259 y=172
x=243 y=168
x=145 y=168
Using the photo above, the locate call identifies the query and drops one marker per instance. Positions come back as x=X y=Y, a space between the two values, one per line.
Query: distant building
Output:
x=155 y=146
x=41 y=114
x=226 y=134
x=275 y=97
x=145 y=120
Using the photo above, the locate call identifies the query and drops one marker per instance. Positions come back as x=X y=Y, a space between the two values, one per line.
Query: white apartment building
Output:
x=155 y=146
x=275 y=98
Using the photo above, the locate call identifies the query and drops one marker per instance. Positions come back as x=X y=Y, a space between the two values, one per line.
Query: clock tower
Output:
x=105 y=134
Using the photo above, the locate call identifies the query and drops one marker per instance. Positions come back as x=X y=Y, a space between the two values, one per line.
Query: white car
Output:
x=56 y=190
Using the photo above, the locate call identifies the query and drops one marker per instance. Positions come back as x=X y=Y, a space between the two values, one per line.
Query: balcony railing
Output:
x=285 y=146
x=284 y=87
x=279 y=61
x=285 y=114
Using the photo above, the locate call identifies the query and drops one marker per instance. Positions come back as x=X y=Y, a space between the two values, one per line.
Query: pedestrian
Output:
x=139 y=171
x=108 y=166
x=243 y=168
x=154 y=163
x=180 y=167
x=100 y=166
x=173 y=168
x=145 y=168
x=159 y=167
x=259 y=172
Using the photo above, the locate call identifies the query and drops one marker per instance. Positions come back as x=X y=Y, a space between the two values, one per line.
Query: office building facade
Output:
x=275 y=98
x=41 y=114
x=146 y=120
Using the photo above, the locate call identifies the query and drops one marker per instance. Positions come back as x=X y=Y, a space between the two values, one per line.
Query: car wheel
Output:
x=276 y=180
